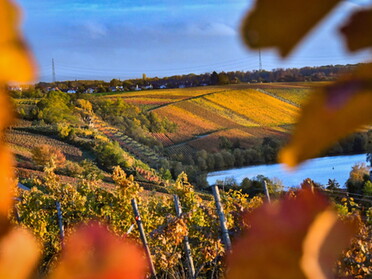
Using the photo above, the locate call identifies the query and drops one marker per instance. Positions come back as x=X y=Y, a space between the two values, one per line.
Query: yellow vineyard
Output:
x=243 y=112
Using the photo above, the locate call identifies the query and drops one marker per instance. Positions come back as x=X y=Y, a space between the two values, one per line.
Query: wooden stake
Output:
x=143 y=236
x=221 y=215
x=189 y=259
x=266 y=191
x=60 y=221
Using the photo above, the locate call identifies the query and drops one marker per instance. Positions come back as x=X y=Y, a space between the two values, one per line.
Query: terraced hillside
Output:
x=244 y=112
x=22 y=142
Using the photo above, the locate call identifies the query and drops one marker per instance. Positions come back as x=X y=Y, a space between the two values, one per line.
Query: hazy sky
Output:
x=105 y=39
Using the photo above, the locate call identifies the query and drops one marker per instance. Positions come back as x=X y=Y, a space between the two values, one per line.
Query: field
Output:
x=22 y=142
x=244 y=112
x=152 y=99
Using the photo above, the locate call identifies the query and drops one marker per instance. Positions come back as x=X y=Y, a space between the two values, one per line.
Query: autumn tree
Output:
x=48 y=156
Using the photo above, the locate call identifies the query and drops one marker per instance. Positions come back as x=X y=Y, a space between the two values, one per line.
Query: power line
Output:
x=260 y=60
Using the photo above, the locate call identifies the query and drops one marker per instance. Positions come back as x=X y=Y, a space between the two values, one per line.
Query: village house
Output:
x=89 y=91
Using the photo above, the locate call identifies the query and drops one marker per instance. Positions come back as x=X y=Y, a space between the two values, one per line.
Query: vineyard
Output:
x=23 y=142
x=239 y=112
x=51 y=209
x=138 y=151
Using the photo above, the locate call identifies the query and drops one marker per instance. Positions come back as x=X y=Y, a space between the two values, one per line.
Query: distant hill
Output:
x=243 y=112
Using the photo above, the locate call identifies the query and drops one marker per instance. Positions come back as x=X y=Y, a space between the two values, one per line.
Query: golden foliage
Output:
x=279 y=237
x=357 y=30
x=19 y=252
x=16 y=63
x=282 y=24
x=332 y=112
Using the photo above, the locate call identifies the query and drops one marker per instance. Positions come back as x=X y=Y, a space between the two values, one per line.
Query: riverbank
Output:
x=318 y=169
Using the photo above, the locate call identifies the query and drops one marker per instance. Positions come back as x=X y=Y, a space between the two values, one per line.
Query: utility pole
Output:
x=53 y=71
x=260 y=60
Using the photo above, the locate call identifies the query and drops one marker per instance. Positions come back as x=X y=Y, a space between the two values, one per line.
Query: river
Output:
x=318 y=169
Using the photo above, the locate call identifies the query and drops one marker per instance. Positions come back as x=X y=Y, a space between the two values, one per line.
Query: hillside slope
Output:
x=241 y=112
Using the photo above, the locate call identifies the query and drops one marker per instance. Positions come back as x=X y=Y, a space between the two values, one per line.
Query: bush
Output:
x=48 y=156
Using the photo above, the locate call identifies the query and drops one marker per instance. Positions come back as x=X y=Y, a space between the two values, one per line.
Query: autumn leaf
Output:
x=93 y=252
x=358 y=30
x=331 y=113
x=6 y=161
x=276 y=245
x=19 y=253
x=16 y=63
x=282 y=24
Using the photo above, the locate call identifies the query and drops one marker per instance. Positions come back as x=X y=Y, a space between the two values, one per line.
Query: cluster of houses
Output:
x=120 y=88
x=91 y=90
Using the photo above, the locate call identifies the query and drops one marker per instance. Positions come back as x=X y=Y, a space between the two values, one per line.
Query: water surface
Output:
x=318 y=169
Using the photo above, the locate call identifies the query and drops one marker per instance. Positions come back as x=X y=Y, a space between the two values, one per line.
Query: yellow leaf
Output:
x=282 y=24
x=6 y=181
x=6 y=111
x=331 y=113
x=19 y=253
x=358 y=30
x=16 y=63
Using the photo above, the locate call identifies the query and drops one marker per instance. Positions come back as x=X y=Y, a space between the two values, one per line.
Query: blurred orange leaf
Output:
x=331 y=113
x=6 y=159
x=324 y=242
x=274 y=245
x=6 y=182
x=16 y=63
x=282 y=24
x=19 y=253
x=93 y=252
x=358 y=30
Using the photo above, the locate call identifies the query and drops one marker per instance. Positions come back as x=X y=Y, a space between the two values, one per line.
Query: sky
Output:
x=106 y=39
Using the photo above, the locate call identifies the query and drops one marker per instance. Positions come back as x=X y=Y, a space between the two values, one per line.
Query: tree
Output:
x=48 y=156
x=115 y=82
x=85 y=105
x=332 y=185
x=359 y=175
x=223 y=78
x=214 y=78
x=55 y=108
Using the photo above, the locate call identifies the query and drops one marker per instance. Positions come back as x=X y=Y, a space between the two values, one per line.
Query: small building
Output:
x=162 y=86
x=15 y=88
x=71 y=91
x=137 y=88
x=89 y=91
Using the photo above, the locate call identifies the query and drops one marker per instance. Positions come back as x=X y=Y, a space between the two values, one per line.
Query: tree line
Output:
x=319 y=73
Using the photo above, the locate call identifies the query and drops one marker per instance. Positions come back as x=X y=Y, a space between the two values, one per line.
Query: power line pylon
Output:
x=53 y=71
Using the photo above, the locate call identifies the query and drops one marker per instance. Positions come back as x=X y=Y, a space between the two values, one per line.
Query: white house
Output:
x=71 y=91
x=89 y=90
x=137 y=88
x=163 y=86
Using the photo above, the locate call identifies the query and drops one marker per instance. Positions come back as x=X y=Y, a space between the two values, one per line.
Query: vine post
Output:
x=266 y=191
x=143 y=236
x=221 y=215
x=60 y=222
x=189 y=259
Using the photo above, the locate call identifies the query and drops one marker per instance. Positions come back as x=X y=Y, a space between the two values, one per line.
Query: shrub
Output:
x=48 y=156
